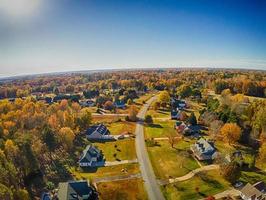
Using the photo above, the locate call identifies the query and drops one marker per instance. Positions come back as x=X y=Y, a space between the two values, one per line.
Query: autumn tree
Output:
x=11 y=149
x=231 y=171
x=49 y=138
x=148 y=119
x=184 y=91
x=164 y=98
x=173 y=138
x=84 y=120
x=66 y=136
x=132 y=115
x=262 y=153
x=231 y=132
x=192 y=119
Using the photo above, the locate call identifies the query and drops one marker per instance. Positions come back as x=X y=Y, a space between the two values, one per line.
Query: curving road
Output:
x=147 y=173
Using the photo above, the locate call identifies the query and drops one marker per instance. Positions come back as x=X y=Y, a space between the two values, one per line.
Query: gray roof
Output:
x=255 y=191
x=75 y=190
x=100 y=128
x=90 y=152
x=204 y=147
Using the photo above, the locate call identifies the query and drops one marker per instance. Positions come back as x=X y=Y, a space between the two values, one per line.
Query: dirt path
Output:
x=188 y=175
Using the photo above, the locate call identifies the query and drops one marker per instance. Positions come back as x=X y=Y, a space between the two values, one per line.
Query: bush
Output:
x=148 y=119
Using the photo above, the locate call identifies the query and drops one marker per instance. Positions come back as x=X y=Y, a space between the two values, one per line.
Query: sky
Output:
x=38 y=36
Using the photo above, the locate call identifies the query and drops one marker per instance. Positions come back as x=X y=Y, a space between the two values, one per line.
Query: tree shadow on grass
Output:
x=155 y=126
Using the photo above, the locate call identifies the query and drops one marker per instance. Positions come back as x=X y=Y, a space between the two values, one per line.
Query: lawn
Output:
x=208 y=183
x=105 y=171
x=160 y=113
x=127 y=190
x=170 y=162
x=124 y=150
x=252 y=177
x=106 y=118
x=160 y=128
x=143 y=98
x=117 y=128
x=226 y=149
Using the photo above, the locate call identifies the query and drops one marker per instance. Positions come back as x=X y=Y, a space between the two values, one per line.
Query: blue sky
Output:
x=39 y=36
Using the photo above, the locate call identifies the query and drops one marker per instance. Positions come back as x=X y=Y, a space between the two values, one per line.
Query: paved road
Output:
x=147 y=173
x=189 y=175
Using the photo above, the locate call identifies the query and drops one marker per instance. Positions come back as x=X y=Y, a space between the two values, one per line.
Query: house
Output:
x=187 y=130
x=98 y=132
x=87 y=103
x=203 y=150
x=76 y=190
x=175 y=114
x=254 y=192
x=91 y=157
x=236 y=155
x=178 y=103
x=120 y=104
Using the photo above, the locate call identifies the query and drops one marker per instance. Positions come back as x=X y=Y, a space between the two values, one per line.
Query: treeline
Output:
x=36 y=143
x=252 y=83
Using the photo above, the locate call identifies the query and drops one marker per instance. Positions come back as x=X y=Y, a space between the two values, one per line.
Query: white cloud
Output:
x=20 y=10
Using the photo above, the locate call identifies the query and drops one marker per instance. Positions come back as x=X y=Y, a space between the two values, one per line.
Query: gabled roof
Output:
x=253 y=191
x=75 y=190
x=204 y=146
x=88 y=153
x=119 y=103
x=100 y=128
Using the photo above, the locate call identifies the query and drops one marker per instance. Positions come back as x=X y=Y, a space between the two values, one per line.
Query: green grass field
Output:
x=160 y=113
x=160 y=128
x=127 y=190
x=125 y=149
x=170 y=162
x=208 y=183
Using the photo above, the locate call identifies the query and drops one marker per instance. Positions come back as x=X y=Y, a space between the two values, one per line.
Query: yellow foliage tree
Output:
x=66 y=136
x=262 y=153
x=230 y=132
x=10 y=148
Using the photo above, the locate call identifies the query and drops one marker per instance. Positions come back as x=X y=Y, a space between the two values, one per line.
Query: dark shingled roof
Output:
x=75 y=190
x=100 y=128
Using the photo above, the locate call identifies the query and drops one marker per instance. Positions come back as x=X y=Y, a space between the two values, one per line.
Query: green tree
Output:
x=164 y=98
x=48 y=137
x=148 y=119
x=231 y=171
x=192 y=119
x=184 y=91
x=84 y=120
x=5 y=192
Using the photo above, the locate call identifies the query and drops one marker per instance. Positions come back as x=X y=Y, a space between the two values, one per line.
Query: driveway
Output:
x=147 y=173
